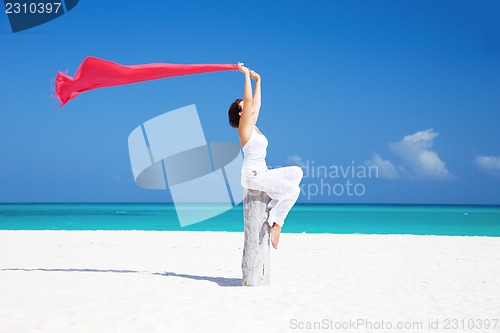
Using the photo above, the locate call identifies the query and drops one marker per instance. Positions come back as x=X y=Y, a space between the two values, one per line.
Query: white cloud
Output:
x=385 y=168
x=295 y=160
x=418 y=160
x=488 y=163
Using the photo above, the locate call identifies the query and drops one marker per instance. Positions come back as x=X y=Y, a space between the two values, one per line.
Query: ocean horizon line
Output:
x=213 y=203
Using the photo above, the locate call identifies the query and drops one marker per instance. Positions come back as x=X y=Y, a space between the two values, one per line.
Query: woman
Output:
x=281 y=184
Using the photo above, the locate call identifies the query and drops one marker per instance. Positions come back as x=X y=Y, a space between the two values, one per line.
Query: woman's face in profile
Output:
x=241 y=107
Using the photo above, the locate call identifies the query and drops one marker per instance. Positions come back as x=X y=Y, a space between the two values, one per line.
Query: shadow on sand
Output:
x=221 y=281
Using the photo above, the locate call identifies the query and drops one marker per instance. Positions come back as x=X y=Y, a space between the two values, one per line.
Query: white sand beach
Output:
x=138 y=281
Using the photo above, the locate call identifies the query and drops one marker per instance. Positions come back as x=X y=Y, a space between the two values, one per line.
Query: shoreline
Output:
x=234 y=232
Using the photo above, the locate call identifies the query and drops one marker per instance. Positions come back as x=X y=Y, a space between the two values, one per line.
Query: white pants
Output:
x=282 y=186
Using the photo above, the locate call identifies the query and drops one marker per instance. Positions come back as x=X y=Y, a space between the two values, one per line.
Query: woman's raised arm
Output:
x=257 y=94
x=251 y=104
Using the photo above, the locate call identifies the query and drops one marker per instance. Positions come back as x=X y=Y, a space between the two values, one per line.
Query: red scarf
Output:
x=98 y=73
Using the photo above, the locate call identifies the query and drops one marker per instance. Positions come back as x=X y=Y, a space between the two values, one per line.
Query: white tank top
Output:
x=254 y=156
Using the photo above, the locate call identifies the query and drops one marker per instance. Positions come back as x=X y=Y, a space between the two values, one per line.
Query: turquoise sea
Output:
x=309 y=218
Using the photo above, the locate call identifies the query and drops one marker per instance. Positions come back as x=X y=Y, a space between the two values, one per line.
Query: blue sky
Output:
x=410 y=87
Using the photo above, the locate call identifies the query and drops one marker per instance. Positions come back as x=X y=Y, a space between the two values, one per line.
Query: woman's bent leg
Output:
x=293 y=174
x=282 y=187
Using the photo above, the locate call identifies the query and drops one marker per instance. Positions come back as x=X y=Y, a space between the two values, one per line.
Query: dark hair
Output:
x=233 y=113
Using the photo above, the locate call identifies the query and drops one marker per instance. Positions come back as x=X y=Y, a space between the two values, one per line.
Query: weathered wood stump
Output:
x=256 y=263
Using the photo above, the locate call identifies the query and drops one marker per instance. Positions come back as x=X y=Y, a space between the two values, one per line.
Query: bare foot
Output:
x=275 y=235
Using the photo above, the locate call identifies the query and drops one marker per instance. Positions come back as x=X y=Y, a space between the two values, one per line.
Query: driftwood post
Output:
x=256 y=263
